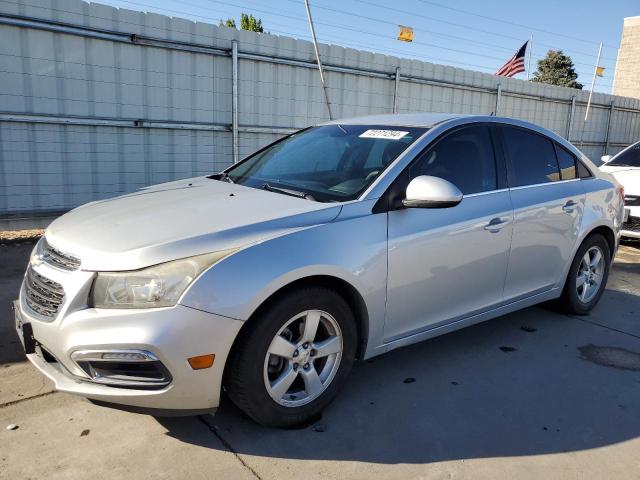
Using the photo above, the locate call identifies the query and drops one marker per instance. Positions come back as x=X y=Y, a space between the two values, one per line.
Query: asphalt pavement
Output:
x=533 y=394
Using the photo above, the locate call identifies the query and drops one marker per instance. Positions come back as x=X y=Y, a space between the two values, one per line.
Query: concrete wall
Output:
x=96 y=101
x=627 y=76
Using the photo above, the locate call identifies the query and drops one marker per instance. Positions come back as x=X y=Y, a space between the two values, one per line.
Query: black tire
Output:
x=570 y=301
x=244 y=378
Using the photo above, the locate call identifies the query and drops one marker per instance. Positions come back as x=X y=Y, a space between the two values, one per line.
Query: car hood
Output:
x=177 y=220
x=617 y=168
x=629 y=178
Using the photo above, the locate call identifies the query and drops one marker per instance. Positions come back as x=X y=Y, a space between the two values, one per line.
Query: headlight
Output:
x=157 y=286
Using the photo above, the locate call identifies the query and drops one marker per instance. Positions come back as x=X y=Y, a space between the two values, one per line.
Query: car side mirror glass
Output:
x=426 y=191
x=605 y=158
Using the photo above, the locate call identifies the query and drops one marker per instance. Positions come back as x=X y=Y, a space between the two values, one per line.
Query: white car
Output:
x=625 y=167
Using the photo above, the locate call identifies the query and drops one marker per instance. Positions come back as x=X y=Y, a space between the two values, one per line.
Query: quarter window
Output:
x=532 y=157
x=567 y=164
x=465 y=158
x=583 y=172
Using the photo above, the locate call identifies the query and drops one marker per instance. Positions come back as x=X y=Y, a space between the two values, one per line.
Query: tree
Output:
x=247 y=22
x=229 y=22
x=556 y=69
x=251 y=23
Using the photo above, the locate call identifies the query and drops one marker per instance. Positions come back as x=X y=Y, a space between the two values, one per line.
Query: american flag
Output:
x=515 y=63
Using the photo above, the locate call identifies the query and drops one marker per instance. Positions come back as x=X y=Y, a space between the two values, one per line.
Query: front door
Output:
x=449 y=263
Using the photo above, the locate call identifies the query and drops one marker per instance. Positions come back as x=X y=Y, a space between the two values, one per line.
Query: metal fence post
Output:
x=234 y=100
x=606 y=137
x=570 y=119
x=395 y=90
x=498 y=98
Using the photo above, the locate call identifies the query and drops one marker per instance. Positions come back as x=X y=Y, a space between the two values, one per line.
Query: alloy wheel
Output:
x=303 y=358
x=590 y=274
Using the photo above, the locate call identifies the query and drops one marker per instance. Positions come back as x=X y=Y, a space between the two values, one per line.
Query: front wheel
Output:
x=587 y=276
x=293 y=358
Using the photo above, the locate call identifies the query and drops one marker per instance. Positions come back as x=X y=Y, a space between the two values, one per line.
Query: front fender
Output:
x=352 y=248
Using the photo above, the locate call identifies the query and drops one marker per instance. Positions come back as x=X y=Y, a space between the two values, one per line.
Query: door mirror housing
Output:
x=606 y=158
x=426 y=191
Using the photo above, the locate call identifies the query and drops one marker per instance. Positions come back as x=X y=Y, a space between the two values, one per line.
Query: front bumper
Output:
x=171 y=334
x=631 y=227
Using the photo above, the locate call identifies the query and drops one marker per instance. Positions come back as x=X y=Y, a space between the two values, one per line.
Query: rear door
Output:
x=548 y=200
x=449 y=263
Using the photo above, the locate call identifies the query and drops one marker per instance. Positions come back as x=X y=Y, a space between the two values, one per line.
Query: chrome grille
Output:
x=42 y=295
x=57 y=258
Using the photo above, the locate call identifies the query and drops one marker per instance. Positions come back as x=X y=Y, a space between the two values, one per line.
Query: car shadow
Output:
x=13 y=263
x=529 y=383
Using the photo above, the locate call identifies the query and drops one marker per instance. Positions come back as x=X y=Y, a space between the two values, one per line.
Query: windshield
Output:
x=327 y=163
x=628 y=158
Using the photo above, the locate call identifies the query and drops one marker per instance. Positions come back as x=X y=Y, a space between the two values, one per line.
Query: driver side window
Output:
x=465 y=158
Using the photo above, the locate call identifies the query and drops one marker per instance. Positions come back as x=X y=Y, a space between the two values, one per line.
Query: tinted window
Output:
x=330 y=162
x=465 y=158
x=583 y=172
x=630 y=158
x=532 y=157
x=567 y=164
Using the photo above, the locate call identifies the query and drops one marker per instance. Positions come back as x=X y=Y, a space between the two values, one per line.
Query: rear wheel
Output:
x=587 y=277
x=293 y=358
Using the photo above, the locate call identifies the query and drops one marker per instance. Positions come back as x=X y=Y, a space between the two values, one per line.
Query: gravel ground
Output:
x=19 y=236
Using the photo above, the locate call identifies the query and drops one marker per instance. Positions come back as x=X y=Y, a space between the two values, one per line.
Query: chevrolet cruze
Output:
x=339 y=242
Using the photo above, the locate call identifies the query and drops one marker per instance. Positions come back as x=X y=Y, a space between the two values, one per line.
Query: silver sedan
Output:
x=340 y=242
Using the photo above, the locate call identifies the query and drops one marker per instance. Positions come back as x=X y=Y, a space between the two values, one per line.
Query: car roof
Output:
x=427 y=120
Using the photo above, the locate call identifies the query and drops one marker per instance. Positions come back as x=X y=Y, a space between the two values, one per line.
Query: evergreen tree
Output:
x=251 y=23
x=229 y=22
x=556 y=69
x=247 y=22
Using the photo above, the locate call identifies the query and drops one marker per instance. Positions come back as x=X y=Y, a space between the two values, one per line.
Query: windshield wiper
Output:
x=287 y=191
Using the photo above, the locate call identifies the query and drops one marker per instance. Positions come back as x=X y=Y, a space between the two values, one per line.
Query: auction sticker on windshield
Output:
x=387 y=134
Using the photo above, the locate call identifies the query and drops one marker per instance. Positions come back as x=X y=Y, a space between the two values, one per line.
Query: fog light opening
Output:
x=136 y=369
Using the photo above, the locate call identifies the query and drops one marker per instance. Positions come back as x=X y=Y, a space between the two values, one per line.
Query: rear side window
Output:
x=532 y=157
x=464 y=157
x=567 y=163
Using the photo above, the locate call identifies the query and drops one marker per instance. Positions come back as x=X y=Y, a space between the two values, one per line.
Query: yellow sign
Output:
x=406 y=34
x=600 y=71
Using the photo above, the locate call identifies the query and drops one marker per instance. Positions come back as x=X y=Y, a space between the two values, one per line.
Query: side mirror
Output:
x=606 y=158
x=431 y=192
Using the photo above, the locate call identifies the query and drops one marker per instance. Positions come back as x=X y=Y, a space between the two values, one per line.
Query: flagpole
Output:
x=315 y=47
x=593 y=82
x=529 y=61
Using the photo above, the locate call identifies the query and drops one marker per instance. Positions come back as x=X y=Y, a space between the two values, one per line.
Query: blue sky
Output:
x=463 y=33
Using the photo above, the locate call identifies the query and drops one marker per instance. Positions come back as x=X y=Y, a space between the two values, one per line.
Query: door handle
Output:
x=569 y=206
x=496 y=224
